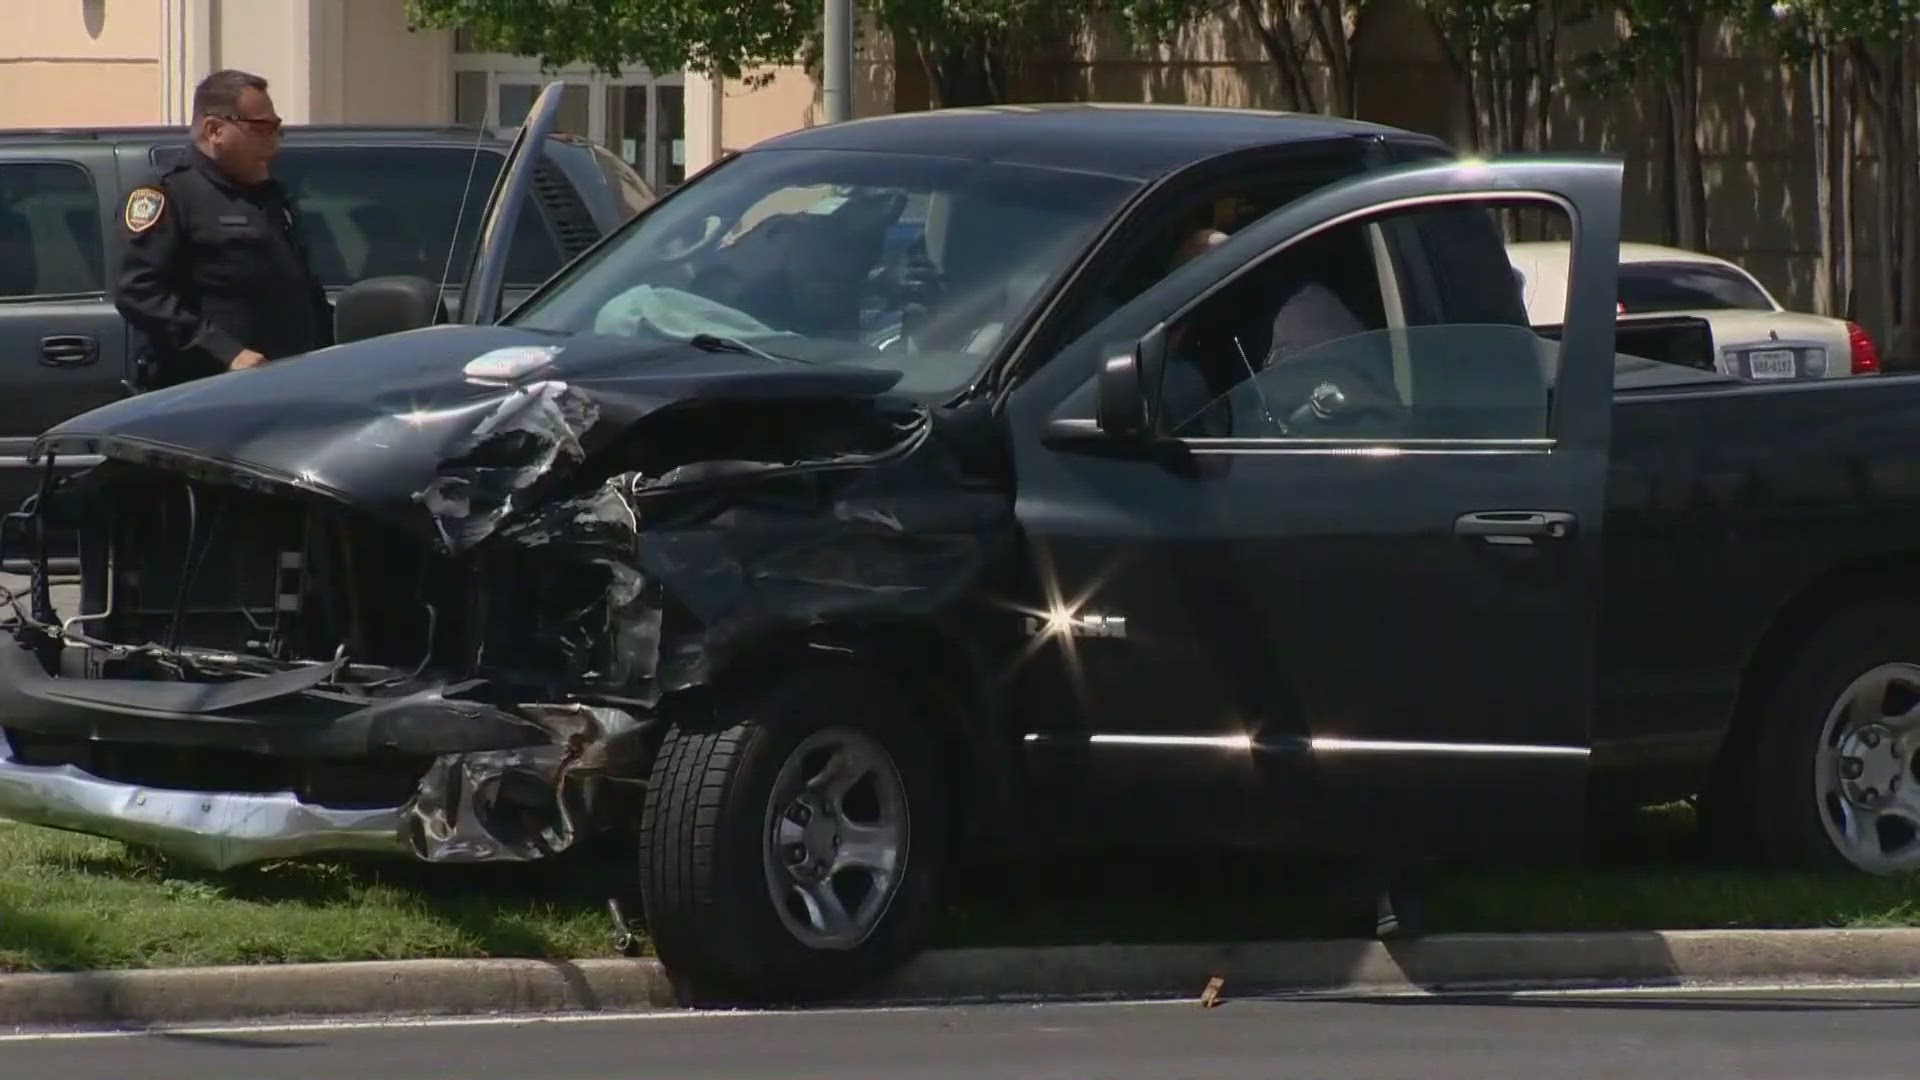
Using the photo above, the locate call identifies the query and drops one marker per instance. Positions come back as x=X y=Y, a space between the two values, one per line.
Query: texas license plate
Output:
x=1772 y=364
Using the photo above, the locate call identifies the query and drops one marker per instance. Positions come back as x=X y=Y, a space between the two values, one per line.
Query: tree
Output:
x=1307 y=41
x=1820 y=38
x=1662 y=42
x=726 y=38
x=966 y=46
x=1859 y=56
x=1506 y=54
x=969 y=47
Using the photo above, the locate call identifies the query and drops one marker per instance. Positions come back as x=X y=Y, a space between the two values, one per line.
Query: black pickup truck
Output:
x=1040 y=475
x=375 y=201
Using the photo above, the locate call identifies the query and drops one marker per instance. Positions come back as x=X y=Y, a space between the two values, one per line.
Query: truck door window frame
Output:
x=1056 y=326
x=1384 y=443
x=93 y=257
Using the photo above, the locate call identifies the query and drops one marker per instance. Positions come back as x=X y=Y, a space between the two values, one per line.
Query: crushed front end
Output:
x=251 y=676
x=261 y=668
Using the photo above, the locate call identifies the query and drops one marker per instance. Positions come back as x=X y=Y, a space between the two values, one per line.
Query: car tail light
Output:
x=1866 y=358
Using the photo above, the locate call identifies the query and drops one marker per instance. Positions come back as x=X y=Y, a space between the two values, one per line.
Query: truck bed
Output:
x=1729 y=502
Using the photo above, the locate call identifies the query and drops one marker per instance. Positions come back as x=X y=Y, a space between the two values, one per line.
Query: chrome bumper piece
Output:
x=216 y=830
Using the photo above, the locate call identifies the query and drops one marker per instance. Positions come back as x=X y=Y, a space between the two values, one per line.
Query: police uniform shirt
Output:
x=214 y=267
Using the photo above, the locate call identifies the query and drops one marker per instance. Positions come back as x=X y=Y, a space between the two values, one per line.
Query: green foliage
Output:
x=1486 y=24
x=719 y=37
x=957 y=19
x=1162 y=20
x=732 y=37
x=1659 y=37
x=1798 y=29
x=1875 y=21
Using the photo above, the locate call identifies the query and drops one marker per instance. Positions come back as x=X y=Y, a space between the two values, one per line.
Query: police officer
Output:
x=216 y=275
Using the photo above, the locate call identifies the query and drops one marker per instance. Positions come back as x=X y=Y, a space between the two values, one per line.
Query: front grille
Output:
x=187 y=565
x=184 y=564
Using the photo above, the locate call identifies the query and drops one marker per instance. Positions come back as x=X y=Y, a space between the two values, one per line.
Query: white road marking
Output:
x=1822 y=986
x=510 y=1020
x=1316 y=997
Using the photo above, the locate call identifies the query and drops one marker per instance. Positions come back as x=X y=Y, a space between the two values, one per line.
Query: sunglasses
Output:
x=266 y=124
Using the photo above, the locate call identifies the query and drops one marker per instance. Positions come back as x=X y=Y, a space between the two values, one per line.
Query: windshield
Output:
x=920 y=265
x=1651 y=287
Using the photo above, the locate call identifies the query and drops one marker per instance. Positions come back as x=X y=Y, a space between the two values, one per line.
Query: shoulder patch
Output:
x=144 y=207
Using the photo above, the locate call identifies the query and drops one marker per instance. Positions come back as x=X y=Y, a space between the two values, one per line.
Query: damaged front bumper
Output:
x=81 y=754
x=217 y=830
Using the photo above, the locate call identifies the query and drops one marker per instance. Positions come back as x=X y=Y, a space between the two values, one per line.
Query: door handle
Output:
x=1516 y=526
x=69 y=350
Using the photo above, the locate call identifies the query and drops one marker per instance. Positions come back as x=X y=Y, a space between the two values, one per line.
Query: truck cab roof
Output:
x=1136 y=142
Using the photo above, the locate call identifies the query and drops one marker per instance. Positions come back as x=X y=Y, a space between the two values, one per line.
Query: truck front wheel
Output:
x=791 y=848
x=1838 y=762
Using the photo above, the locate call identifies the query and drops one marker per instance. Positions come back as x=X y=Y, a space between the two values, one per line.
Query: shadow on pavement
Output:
x=236 y=1041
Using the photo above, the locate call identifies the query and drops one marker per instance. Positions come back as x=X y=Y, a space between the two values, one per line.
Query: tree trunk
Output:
x=1891 y=113
x=1669 y=174
x=1327 y=21
x=1519 y=84
x=1909 y=258
x=1690 y=189
x=1462 y=58
x=963 y=74
x=1545 y=65
x=1286 y=50
x=1820 y=109
x=1844 y=95
x=1470 y=77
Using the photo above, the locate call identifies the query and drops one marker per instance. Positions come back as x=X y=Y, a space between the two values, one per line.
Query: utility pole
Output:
x=837 y=79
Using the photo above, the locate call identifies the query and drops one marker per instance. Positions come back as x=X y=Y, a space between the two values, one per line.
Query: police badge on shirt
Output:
x=143 y=210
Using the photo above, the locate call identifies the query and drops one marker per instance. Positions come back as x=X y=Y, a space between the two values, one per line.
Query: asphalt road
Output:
x=1790 y=1035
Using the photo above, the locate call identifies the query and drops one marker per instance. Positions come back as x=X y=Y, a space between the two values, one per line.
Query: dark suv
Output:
x=375 y=201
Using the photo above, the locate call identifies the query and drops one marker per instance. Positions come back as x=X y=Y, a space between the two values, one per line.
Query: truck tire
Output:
x=757 y=820
x=1834 y=774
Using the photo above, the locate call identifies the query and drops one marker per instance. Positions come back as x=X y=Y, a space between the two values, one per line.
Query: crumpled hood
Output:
x=374 y=423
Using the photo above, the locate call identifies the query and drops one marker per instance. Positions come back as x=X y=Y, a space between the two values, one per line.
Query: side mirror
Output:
x=386 y=305
x=1129 y=387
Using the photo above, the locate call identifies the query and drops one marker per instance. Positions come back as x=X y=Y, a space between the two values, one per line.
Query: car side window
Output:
x=50 y=243
x=1186 y=226
x=373 y=211
x=1403 y=325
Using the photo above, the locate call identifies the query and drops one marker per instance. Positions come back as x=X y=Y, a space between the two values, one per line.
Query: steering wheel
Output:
x=714 y=230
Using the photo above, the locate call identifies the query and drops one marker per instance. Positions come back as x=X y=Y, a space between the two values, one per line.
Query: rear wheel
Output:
x=1837 y=766
x=792 y=849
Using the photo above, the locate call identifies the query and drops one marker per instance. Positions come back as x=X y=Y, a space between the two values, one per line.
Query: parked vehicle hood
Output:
x=376 y=422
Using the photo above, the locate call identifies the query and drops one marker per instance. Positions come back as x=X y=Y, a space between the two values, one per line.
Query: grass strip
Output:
x=70 y=902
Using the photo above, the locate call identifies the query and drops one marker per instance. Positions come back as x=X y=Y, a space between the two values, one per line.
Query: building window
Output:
x=670 y=134
x=638 y=116
x=470 y=97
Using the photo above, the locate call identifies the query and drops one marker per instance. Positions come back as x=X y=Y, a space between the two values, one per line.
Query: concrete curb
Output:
x=1447 y=962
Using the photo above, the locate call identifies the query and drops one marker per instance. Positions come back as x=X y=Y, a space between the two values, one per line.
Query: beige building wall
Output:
x=79 y=62
x=394 y=76
x=274 y=39
x=95 y=62
x=748 y=114
x=734 y=114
